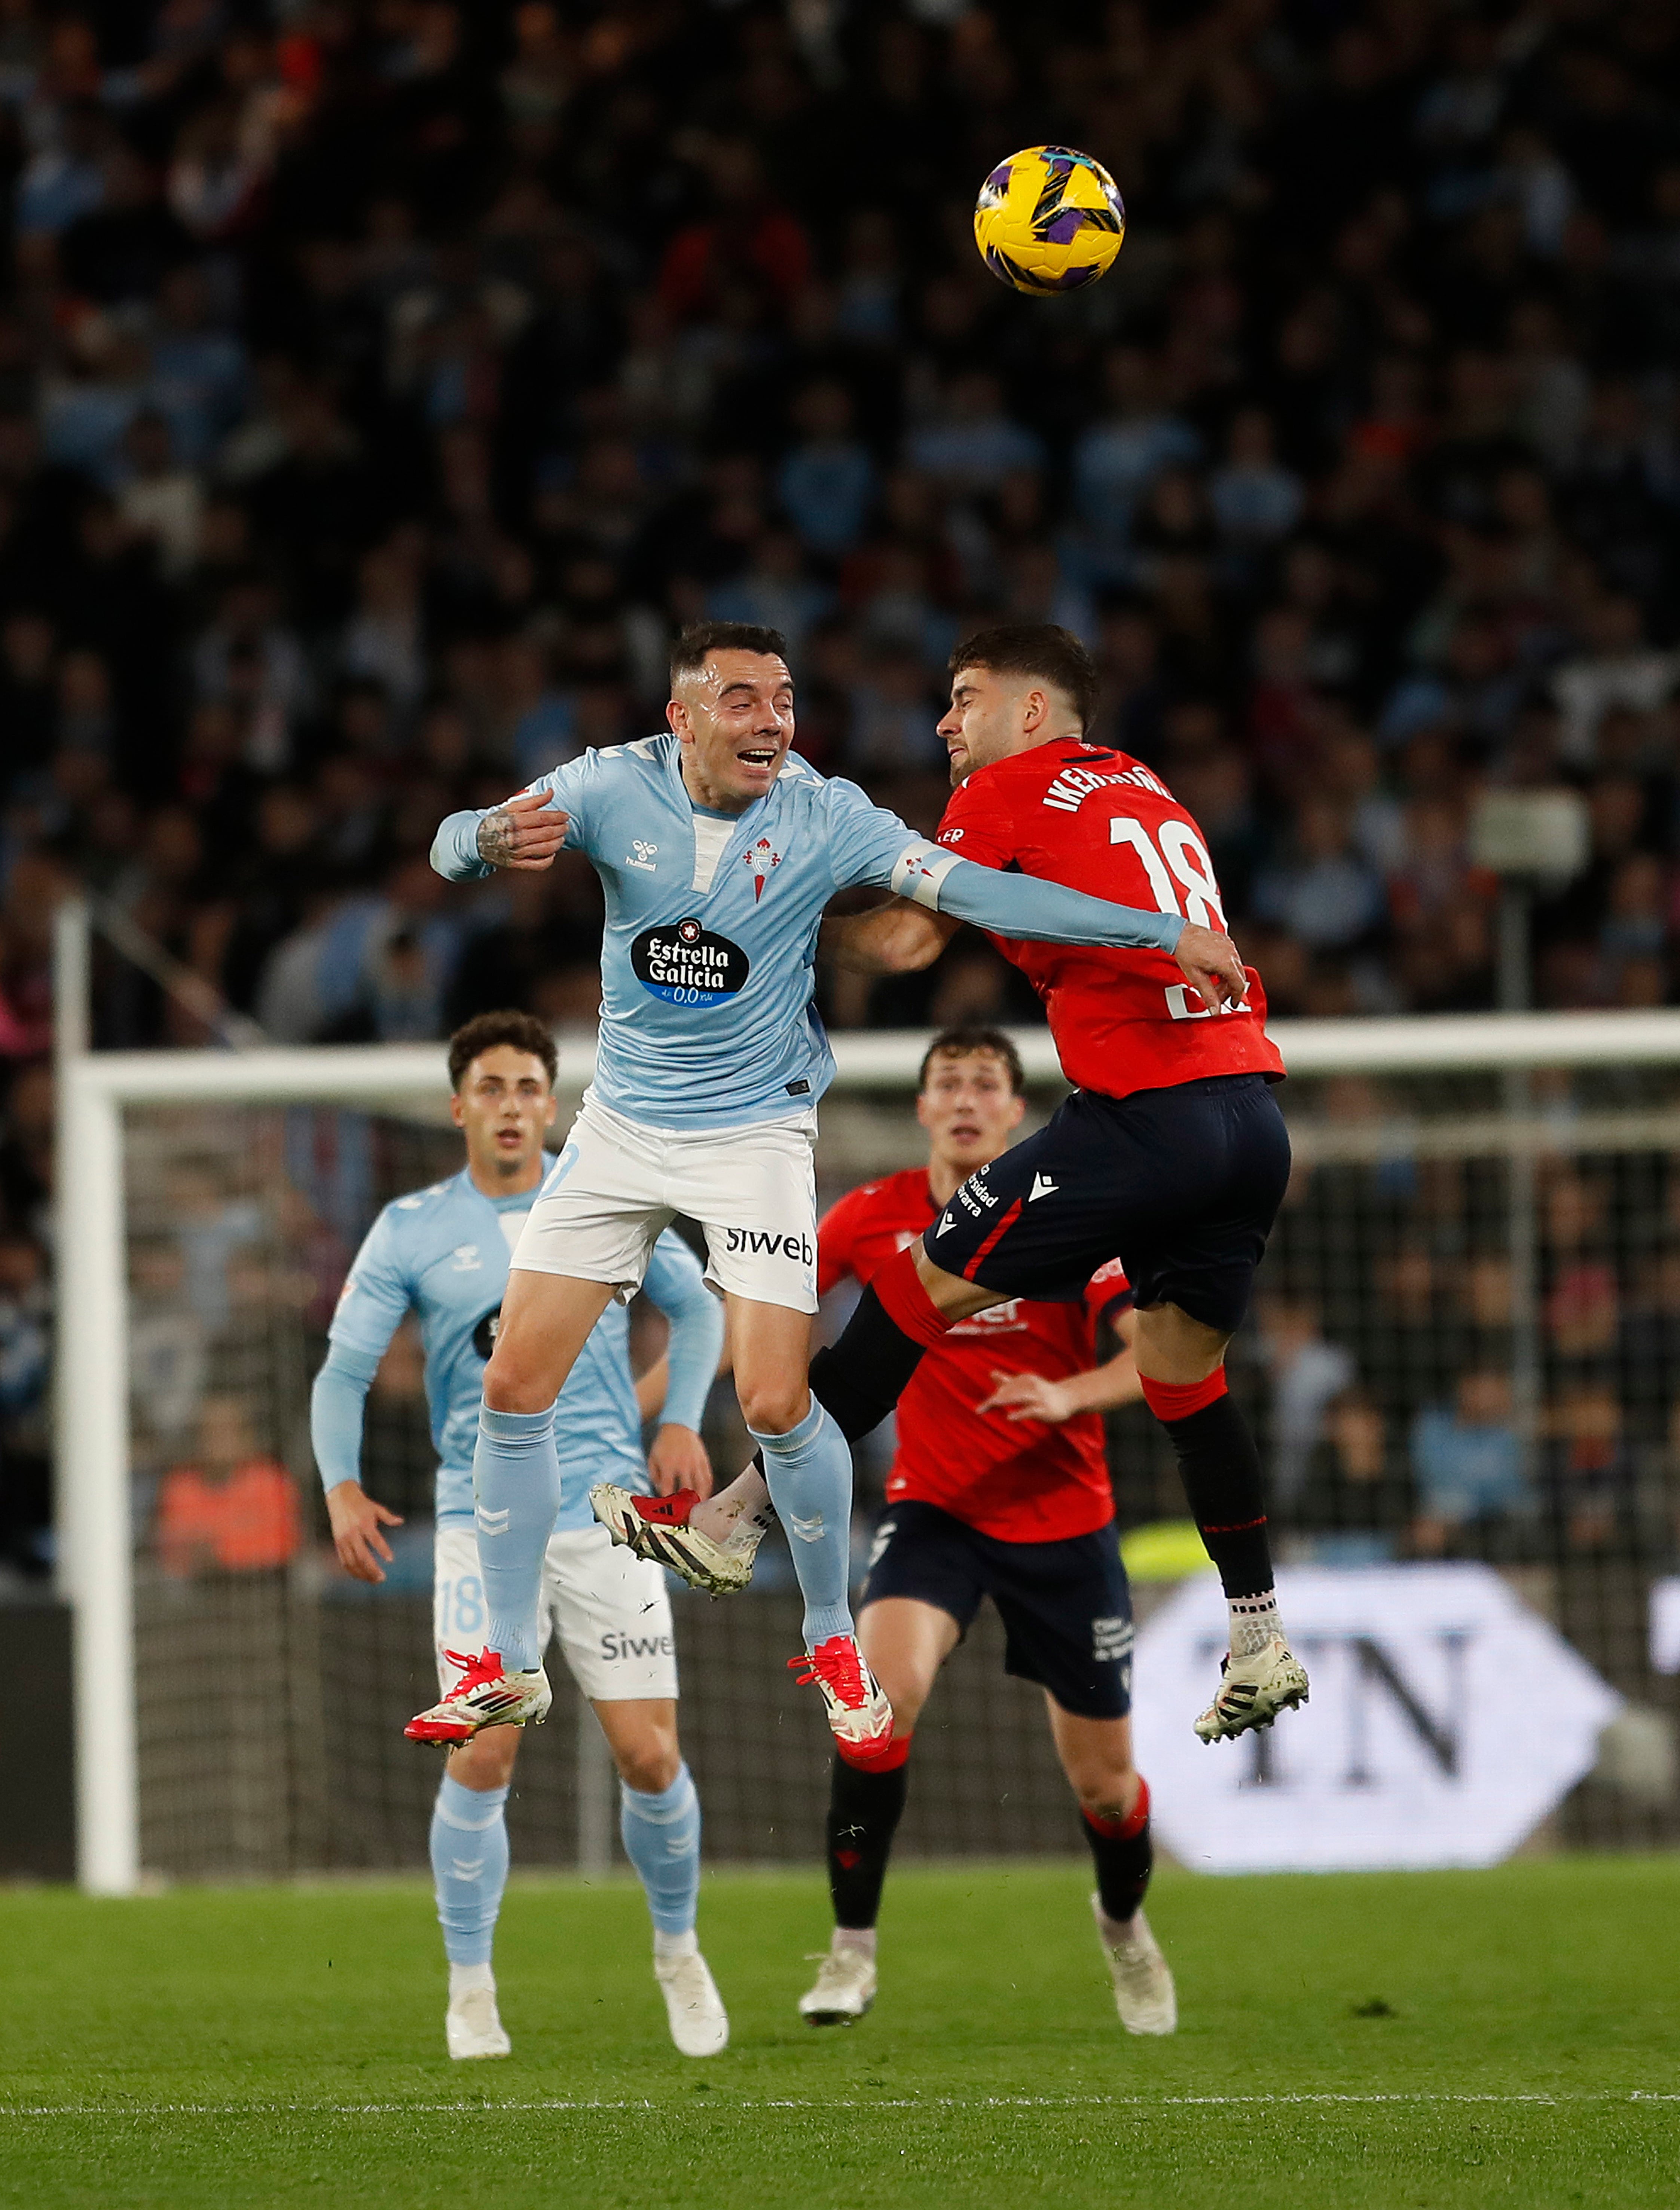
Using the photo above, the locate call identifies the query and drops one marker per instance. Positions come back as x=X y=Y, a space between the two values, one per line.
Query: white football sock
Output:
x=464 y=1978
x=742 y=1509
x=861 y=1938
x=1116 y=1933
x=671 y=1948
x=1254 y=1623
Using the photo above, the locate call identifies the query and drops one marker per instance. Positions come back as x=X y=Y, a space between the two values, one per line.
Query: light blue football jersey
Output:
x=707 y=965
x=444 y=1251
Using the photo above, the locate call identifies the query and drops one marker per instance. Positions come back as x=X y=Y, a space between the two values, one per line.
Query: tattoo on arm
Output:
x=495 y=838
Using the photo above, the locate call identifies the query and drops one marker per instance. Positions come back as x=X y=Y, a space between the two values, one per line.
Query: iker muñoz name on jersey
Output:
x=688 y=965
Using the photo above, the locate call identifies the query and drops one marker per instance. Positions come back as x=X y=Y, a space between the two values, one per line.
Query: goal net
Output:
x=1467 y=1345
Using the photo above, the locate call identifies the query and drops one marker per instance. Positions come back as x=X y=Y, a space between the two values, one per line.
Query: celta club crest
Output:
x=761 y=859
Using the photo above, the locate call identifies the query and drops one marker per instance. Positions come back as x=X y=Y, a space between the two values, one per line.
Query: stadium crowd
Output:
x=380 y=383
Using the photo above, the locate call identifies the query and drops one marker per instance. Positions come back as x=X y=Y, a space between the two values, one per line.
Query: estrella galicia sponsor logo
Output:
x=687 y=965
x=484 y=1334
x=616 y=1649
x=770 y=1243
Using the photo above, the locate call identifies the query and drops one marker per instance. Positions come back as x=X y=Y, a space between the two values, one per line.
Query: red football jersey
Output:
x=1023 y=1481
x=1104 y=823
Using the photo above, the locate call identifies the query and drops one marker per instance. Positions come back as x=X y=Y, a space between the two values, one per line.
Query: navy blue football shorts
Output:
x=1066 y=1606
x=1181 y=1185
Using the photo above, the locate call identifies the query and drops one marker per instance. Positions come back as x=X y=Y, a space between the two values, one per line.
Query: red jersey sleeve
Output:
x=837 y=1233
x=1107 y=1291
x=974 y=829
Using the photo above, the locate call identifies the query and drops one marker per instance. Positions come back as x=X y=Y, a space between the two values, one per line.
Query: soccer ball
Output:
x=1049 y=219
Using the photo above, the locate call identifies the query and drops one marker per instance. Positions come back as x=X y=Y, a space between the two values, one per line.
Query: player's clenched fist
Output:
x=1212 y=965
x=524 y=832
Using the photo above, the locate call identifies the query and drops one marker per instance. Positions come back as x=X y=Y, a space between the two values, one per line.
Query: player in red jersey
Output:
x=1171 y=1154
x=999 y=1487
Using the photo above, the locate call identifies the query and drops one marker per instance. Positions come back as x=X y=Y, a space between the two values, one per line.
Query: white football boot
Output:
x=844 y=1989
x=1144 y=1993
x=859 y=1713
x=1252 y=1691
x=656 y=1527
x=473 y=2027
x=699 y=2023
x=485 y=1695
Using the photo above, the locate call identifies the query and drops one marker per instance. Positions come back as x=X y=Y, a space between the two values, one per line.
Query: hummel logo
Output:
x=643 y=855
x=1042 y=1186
x=466 y=1258
x=493 y=1523
x=808 y=1531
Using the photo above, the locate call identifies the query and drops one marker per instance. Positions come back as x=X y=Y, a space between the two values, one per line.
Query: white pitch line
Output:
x=795 y=2102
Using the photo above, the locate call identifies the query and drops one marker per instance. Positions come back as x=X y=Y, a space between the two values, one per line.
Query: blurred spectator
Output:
x=231 y=1508
x=1590 y=1467
x=1356 y=1500
x=1467 y=1460
x=1255 y=500
x=1306 y=1375
x=159 y=499
x=1119 y=457
x=1618 y=668
x=26 y=1505
x=827 y=483
x=1322 y=892
x=970 y=444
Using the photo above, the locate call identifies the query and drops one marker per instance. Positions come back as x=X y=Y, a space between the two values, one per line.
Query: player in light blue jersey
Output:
x=718 y=849
x=442 y=1253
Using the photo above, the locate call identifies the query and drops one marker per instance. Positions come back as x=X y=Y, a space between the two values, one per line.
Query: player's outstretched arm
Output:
x=522 y=833
x=336 y=1408
x=1034 y=1396
x=894 y=939
x=1028 y=908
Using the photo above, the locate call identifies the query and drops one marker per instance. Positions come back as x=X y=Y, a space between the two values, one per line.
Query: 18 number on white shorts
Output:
x=609 y=1608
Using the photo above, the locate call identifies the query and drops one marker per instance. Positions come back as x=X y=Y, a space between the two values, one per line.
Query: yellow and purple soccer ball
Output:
x=1049 y=219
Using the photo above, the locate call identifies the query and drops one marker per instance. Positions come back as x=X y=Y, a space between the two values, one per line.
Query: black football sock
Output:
x=1120 y=1851
x=864 y=1807
x=1220 y=1468
x=859 y=1380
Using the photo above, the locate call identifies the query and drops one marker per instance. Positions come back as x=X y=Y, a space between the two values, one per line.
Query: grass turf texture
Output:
x=1416 y=2042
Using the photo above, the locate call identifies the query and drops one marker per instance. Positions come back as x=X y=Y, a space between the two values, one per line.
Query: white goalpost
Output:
x=98 y=1090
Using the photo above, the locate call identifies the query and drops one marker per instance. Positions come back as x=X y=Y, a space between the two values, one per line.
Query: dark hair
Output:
x=522 y=1031
x=701 y=639
x=1039 y=648
x=961 y=1042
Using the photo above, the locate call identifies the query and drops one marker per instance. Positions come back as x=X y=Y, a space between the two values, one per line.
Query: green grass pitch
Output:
x=1414 y=2041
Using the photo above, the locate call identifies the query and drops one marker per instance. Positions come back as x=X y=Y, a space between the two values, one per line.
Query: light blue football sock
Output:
x=809 y=1475
x=468 y=1868
x=662 y=1838
x=515 y=1495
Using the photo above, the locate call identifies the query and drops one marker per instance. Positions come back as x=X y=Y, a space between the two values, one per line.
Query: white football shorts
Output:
x=610 y=1608
x=617 y=1185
